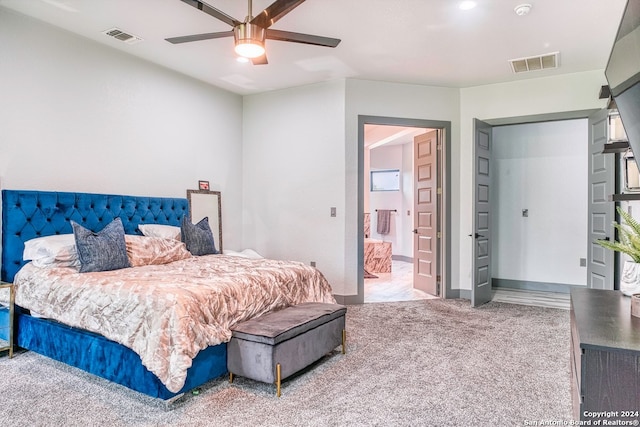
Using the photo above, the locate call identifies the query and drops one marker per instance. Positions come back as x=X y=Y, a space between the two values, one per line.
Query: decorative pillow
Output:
x=160 y=230
x=144 y=250
x=198 y=237
x=57 y=249
x=102 y=251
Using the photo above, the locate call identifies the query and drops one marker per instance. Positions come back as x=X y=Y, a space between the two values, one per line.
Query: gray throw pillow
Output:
x=198 y=237
x=102 y=251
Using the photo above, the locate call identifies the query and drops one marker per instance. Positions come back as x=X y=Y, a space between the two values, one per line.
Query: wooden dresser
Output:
x=605 y=356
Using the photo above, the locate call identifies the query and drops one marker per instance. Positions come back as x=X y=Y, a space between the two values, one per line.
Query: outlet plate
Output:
x=313 y=263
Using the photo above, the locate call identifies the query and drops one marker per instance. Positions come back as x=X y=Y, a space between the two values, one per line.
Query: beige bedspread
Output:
x=167 y=313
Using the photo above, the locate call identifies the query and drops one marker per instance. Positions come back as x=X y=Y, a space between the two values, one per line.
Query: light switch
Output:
x=333 y=212
x=525 y=212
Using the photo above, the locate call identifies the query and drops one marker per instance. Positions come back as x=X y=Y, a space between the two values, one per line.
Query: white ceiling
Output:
x=427 y=42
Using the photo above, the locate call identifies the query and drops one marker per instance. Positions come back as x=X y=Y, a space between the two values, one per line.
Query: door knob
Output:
x=415 y=231
x=476 y=235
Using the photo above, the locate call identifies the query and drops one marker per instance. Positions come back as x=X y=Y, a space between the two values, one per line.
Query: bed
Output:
x=31 y=214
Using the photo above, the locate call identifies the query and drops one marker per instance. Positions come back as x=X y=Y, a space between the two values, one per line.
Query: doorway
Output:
x=538 y=223
x=387 y=149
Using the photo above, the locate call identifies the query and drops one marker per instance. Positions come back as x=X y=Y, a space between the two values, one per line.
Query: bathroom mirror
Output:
x=207 y=203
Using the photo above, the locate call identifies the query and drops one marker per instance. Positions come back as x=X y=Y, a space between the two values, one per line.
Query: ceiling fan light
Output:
x=249 y=40
x=249 y=48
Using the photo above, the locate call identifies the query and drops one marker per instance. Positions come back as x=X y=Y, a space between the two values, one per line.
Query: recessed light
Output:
x=467 y=5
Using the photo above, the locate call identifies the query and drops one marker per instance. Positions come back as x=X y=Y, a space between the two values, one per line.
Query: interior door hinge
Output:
x=439 y=190
x=438 y=286
x=439 y=235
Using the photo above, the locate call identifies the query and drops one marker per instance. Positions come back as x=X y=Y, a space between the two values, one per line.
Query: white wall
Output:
x=405 y=243
x=570 y=92
x=372 y=98
x=78 y=116
x=541 y=167
x=293 y=173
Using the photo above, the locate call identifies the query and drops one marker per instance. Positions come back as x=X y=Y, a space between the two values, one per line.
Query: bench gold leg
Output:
x=278 y=380
x=231 y=377
x=344 y=341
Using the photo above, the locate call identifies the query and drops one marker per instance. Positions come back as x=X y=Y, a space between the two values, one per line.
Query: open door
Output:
x=481 y=273
x=425 y=202
x=600 y=261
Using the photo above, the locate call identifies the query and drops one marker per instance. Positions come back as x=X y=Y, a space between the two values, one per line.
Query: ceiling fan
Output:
x=250 y=35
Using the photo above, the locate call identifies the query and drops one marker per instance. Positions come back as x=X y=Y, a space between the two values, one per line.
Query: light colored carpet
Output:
x=419 y=363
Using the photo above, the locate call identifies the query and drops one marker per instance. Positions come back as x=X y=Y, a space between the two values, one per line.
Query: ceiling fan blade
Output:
x=210 y=10
x=197 y=37
x=287 y=36
x=274 y=12
x=260 y=60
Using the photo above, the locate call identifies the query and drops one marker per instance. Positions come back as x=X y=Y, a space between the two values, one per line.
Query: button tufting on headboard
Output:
x=49 y=213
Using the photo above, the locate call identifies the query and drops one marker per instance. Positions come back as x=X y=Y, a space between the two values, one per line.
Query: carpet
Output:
x=419 y=363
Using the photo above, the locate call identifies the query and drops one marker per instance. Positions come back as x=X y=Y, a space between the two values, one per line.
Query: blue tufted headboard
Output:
x=30 y=214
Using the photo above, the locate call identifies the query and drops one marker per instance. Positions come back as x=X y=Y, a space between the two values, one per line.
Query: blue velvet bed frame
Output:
x=30 y=214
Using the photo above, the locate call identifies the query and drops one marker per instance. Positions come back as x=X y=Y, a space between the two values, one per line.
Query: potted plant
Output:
x=628 y=243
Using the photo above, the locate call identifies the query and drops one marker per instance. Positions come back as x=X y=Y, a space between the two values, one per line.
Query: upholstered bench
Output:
x=276 y=345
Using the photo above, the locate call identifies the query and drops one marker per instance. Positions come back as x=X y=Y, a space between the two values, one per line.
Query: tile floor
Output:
x=394 y=286
x=398 y=286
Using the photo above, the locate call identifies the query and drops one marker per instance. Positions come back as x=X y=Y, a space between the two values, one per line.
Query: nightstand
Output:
x=7 y=298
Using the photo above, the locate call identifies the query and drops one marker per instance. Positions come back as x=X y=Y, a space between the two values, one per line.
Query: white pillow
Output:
x=247 y=253
x=160 y=230
x=59 y=249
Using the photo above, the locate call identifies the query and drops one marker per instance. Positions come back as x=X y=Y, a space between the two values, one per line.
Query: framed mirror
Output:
x=207 y=203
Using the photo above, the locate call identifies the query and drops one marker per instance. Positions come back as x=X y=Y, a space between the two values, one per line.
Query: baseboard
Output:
x=348 y=299
x=459 y=293
x=403 y=258
x=531 y=286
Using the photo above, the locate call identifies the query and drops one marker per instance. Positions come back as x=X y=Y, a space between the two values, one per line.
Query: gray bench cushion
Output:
x=275 y=327
x=293 y=338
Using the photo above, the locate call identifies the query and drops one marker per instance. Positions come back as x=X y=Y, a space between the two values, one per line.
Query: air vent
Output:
x=534 y=63
x=118 y=34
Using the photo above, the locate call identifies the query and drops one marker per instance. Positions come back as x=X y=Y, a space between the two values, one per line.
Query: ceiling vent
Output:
x=117 y=33
x=534 y=63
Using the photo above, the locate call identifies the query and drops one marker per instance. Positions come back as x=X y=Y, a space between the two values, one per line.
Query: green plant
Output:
x=628 y=237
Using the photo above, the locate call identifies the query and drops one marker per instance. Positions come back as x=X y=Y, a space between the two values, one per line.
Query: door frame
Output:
x=445 y=243
x=532 y=118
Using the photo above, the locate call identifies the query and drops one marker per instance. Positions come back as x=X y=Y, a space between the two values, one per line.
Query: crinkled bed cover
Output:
x=167 y=313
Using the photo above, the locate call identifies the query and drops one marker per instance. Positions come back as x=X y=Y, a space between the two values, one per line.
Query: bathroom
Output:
x=388 y=183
